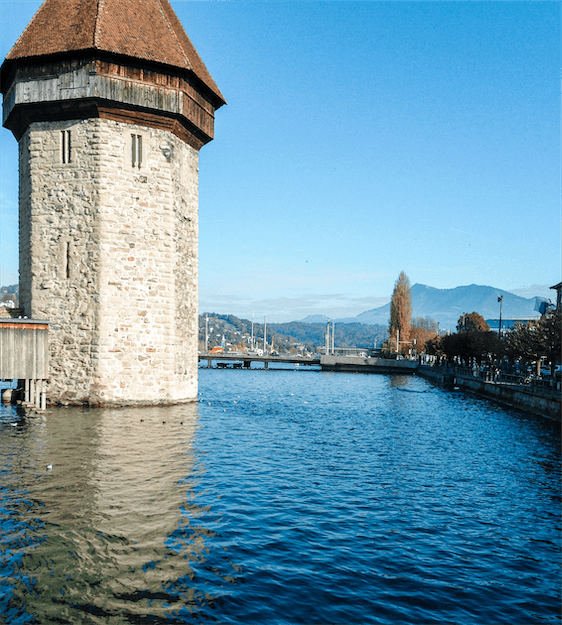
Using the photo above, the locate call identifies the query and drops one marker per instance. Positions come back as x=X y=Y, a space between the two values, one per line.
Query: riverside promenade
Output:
x=539 y=397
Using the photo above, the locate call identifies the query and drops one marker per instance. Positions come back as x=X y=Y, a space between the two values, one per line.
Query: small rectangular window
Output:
x=66 y=146
x=136 y=151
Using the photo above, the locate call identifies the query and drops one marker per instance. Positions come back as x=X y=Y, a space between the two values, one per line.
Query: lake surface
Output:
x=283 y=497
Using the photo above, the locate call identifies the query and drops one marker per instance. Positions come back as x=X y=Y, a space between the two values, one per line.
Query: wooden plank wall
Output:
x=24 y=350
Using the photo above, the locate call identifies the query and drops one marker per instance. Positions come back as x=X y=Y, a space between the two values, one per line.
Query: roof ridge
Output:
x=99 y=8
x=173 y=33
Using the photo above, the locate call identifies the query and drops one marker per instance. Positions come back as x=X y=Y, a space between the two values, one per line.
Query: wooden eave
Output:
x=9 y=68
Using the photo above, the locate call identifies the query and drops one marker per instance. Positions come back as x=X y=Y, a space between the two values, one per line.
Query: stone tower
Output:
x=110 y=104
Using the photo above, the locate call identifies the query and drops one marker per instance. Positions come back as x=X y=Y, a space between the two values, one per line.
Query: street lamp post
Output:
x=500 y=300
x=206 y=332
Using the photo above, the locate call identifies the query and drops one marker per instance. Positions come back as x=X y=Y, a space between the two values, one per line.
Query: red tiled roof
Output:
x=144 y=29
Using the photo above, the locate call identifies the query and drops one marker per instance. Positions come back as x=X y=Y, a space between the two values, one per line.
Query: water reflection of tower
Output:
x=141 y=486
x=113 y=508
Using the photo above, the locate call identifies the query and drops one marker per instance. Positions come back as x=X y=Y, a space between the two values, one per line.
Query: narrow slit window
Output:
x=136 y=151
x=66 y=146
x=67 y=259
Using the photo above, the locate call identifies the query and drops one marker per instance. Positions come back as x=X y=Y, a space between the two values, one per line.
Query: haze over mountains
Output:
x=446 y=306
x=443 y=305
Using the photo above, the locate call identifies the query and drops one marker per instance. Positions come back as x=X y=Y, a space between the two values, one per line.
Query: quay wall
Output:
x=516 y=398
x=507 y=395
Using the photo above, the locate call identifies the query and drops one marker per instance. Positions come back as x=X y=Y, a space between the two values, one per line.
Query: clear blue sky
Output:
x=361 y=139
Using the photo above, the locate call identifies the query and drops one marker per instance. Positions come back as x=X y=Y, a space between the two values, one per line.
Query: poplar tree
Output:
x=401 y=309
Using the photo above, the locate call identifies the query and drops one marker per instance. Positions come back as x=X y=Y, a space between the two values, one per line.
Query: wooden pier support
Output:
x=24 y=356
x=33 y=393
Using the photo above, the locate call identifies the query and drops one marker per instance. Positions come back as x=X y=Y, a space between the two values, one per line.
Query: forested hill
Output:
x=287 y=337
x=10 y=293
x=346 y=335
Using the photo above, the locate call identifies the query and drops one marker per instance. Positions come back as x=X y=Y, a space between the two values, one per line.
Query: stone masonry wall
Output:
x=59 y=244
x=109 y=256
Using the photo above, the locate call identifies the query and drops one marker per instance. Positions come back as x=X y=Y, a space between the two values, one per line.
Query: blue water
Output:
x=283 y=497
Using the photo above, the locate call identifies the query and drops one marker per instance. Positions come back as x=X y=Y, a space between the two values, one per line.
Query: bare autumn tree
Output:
x=401 y=309
x=472 y=322
x=423 y=329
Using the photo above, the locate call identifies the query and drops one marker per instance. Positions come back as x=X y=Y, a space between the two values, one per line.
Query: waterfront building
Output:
x=110 y=104
x=558 y=289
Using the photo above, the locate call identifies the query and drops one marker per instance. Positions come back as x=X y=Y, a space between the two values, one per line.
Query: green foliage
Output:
x=312 y=333
x=359 y=335
x=527 y=343
x=530 y=342
x=472 y=342
x=468 y=346
x=434 y=346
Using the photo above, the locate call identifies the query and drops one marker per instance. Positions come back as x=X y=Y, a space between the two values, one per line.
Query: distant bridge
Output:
x=245 y=361
x=327 y=363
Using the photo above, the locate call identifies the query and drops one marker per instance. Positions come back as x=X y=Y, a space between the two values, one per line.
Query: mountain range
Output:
x=443 y=305
x=447 y=305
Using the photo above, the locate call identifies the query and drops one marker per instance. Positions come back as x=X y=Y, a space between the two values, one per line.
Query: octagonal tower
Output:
x=110 y=104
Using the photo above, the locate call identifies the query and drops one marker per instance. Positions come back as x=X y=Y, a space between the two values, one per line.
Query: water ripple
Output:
x=282 y=497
